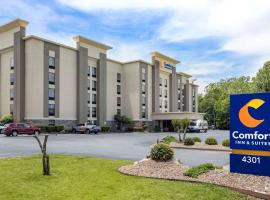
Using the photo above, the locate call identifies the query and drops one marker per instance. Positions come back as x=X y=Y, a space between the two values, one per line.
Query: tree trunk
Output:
x=185 y=132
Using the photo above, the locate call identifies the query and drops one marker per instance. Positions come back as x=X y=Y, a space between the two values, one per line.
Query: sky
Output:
x=213 y=39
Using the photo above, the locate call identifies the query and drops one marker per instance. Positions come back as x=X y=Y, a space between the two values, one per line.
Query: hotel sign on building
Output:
x=250 y=133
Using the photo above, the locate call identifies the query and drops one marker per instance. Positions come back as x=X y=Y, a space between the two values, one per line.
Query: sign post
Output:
x=250 y=134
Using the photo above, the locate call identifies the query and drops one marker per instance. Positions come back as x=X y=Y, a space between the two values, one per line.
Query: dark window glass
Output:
x=94 y=98
x=11 y=63
x=165 y=93
x=94 y=72
x=165 y=82
x=11 y=109
x=160 y=92
x=165 y=104
x=143 y=88
x=89 y=71
x=51 y=78
x=143 y=113
x=118 y=89
x=51 y=93
x=143 y=100
x=51 y=109
x=88 y=114
x=160 y=81
x=118 y=111
x=11 y=94
x=118 y=101
x=94 y=85
x=12 y=78
x=51 y=62
x=179 y=106
x=94 y=112
x=118 y=77
x=88 y=84
x=143 y=76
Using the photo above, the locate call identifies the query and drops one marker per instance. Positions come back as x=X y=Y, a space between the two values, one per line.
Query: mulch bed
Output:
x=258 y=186
x=201 y=146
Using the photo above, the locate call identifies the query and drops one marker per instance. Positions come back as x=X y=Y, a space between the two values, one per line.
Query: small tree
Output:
x=45 y=157
x=6 y=119
x=184 y=125
x=176 y=123
x=122 y=120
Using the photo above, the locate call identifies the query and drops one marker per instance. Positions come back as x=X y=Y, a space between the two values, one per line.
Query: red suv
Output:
x=15 y=129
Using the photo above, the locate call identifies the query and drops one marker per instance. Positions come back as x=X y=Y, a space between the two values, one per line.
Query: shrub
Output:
x=157 y=129
x=196 y=139
x=6 y=119
x=194 y=172
x=226 y=143
x=211 y=141
x=51 y=128
x=168 y=139
x=59 y=128
x=161 y=152
x=189 y=141
x=105 y=129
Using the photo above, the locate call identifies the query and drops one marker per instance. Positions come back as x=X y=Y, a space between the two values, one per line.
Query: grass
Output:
x=194 y=172
x=81 y=178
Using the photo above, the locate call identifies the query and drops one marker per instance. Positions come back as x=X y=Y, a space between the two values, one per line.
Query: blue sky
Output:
x=213 y=39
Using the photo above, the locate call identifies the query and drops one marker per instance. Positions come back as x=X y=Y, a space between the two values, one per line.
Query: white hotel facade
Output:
x=44 y=82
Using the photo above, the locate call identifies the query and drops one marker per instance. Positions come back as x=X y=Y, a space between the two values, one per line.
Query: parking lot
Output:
x=129 y=146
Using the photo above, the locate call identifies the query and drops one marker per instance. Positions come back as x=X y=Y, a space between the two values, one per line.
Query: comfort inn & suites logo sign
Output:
x=250 y=133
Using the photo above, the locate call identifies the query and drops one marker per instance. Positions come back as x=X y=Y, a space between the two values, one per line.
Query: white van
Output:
x=198 y=125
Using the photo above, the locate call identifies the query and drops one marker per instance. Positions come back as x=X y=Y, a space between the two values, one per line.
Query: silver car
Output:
x=198 y=126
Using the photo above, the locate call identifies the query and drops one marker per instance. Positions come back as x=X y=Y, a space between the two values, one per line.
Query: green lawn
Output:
x=93 y=178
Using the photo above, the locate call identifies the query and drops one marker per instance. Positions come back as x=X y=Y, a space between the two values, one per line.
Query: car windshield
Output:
x=6 y=125
x=192 y=123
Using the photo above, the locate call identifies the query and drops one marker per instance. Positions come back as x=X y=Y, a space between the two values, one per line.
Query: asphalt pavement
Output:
x=125 y=146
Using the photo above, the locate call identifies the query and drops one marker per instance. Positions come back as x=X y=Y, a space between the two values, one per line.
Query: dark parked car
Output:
x=14 y=129
x=86 y=128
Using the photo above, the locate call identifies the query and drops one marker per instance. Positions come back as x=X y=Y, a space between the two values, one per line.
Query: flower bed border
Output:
x=172 y=145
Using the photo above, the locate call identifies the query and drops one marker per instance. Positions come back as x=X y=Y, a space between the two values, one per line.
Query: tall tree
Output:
x=262 y=78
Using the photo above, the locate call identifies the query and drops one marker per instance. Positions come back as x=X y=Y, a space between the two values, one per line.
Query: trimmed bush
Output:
x=105 y=128
x=59 y=128
x=51 y=128
x=6 y=119
x=211 y=141
x=168 y=139
x=161 y=152
x=194 y=172
x=196 y=139
x=189 y=141
x=226 y=143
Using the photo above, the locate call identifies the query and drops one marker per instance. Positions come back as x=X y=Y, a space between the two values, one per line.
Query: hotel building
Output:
x=44 y=82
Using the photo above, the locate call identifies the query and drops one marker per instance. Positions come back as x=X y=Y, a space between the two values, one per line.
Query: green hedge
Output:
x=211 y=141
x=189 y=141
x=226 y=143
x=50 y=128
x=196 y=139
x=161 y=152
x=105 y=129
x=194 y=172
x=168 y=139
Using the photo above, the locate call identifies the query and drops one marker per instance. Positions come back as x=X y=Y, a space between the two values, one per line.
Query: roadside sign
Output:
x=250 y=133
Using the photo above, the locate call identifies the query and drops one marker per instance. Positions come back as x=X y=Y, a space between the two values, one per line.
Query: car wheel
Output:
x=96 y=132
x=87 y=131
x=14 y=133
x=74 y=130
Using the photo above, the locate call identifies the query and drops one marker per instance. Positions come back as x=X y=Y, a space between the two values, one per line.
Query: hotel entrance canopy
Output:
x=176 y=115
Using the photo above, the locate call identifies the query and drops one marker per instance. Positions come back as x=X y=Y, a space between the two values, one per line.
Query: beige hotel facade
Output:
x=44 y=82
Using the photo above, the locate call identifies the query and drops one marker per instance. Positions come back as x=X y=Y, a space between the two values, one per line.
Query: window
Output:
x=179 y=84
x=51 y=63
x=88 y=98
x=179 y=106
x=51 y=109
x=160 y=82
x=11 y=63
x=165 y=93
x=143 y=88
x=89 y=71
x=118 y=101
x=94 y=112
x=118 y=89
x=193 y=92
x=94 y=72
x=166 y=104
x=12 y=79
x=118 y=77
x=143 y=113
x=11 y=94
x=51 y=93
x=11 y=109
x=160 y=103
x=179 y=96
x=94 y=85
x=88 y=84
x=143 y=100
x=160 y=92
x=88 y=112
x=143 y=75
x=165 y=82
x=118 y=111
x=51 y=78
x=94 y=98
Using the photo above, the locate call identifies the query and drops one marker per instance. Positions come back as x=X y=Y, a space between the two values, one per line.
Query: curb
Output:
x=204 y=149
x=243 y=191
